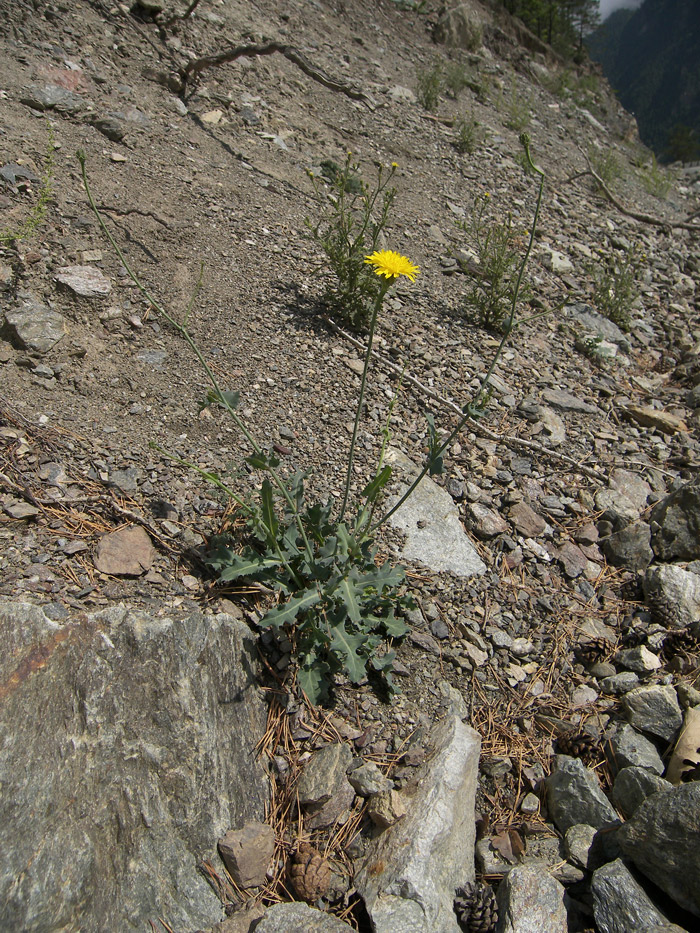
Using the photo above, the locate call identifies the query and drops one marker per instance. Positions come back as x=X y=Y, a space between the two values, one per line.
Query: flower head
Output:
x=391 y=265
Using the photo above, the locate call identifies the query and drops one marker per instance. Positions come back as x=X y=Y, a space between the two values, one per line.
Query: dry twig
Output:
x=197 y=65
x=518 y=442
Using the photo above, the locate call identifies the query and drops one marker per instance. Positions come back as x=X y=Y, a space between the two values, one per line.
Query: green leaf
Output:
x=329 y=546
x=376 y=484
x=381 y=577
x=346 y=542
x=289 y=542
x=435 y=460
x=313 y=677
x=349 y=594
x=262 y=461
x=288 y=612
x=384 y=662
x=269 y=517
x=347 y=645
x=230 y=399
x=240 y=566
x=394 y=627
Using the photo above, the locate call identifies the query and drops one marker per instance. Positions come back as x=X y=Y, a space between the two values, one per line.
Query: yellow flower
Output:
x=390 y=264
x=394 y=164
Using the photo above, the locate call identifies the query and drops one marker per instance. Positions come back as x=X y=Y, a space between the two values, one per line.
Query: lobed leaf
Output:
x=347 y=646
x=286 y=614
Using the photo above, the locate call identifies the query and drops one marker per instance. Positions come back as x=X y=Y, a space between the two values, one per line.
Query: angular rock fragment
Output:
x=627 y=748
x=368 y=780
x=675 y=523
x=629 y=547
x=530 y=899
x=649 y=417
x=661 y=838
x=430 y=521
x=632 y=787
x=411 y=872
x=620 y=904
x=574 y=796
x=33 y=326
x=654 y=710
x=323 y=788
x=299 y=918
x=673 y=594
x=86 y=281
x=247 y=853
x=127 y=552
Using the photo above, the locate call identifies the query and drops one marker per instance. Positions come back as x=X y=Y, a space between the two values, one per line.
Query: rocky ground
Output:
x=576 y=488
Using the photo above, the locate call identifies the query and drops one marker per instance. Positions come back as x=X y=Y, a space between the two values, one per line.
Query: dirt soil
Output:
x=217 y=173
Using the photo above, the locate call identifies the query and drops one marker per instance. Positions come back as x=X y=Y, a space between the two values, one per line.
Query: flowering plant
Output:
x=334 y=604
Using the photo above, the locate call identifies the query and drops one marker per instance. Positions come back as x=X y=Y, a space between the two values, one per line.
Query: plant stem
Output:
x=471 y=409
x=358 y=413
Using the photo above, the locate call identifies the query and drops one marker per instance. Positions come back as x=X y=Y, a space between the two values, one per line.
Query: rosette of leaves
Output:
x=335 y=603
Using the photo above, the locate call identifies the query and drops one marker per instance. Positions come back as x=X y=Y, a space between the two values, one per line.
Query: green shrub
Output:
x=657 y=181
x=605 y=164
x=517 y=109
x=615 y=285
x=469 y=135
x=495 y=282
x=430 y=86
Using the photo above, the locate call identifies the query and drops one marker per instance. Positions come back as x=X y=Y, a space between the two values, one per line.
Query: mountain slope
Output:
x=652 y=59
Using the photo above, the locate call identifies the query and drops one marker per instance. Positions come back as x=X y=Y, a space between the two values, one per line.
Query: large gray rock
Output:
x=597 y=325
x=620 y=904
x=299 y=918
x=412 y=869
x=574 y=796
x=675 y=524
x=430 y=521
x=530 y=901
x=661 y=838
x=632 y=787
x=627 y=748
x=653 y=709
x=624 y=499
x=674 y=594
x=460 y=27
x=128 y=750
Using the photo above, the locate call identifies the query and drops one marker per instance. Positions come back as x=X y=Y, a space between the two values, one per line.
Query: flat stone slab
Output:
x=127 y=552
x=87 y=281
x=430 y=521
x=411 y=871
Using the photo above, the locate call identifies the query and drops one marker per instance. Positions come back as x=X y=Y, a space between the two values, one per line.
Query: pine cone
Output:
x=680 y=641
x=476 y=908
x=589 y=652
x=577 y=745
x=310 y=873
x=662 y=611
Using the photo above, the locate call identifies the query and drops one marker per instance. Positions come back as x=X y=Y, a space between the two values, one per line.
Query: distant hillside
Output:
x=604 y=44
x=651 y=57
